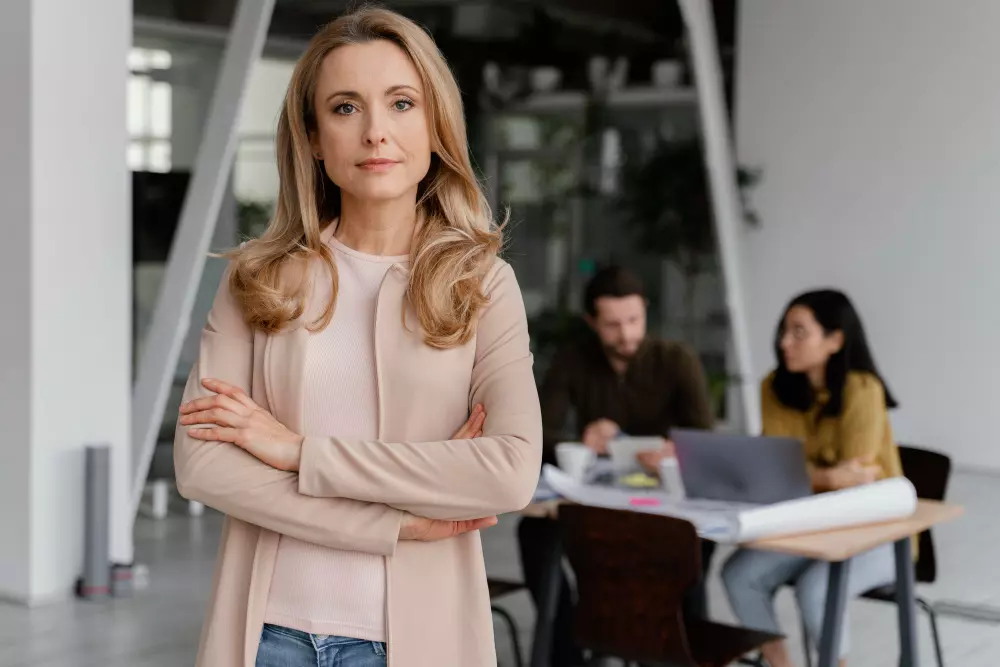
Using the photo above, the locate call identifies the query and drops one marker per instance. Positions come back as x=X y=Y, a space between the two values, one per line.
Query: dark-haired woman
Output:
x=827 y=392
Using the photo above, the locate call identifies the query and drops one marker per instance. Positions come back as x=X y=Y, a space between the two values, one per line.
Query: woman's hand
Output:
x=473 y=426
x=235 y=418
x=430 y=530
x=847 y=474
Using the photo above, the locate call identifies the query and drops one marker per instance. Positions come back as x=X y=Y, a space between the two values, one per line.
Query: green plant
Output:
x=253 y=217
x=718 y=384
x=667 y=203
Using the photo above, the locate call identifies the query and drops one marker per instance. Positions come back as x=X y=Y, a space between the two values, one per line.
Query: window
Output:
x=149 y=110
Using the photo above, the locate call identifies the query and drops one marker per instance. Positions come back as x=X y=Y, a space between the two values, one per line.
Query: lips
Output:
x=377 y=164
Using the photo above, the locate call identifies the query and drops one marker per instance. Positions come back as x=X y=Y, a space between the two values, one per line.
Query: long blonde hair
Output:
x=456 y=241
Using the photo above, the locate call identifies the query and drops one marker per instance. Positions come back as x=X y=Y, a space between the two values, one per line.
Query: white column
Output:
x=65 y=267
x=193 y=76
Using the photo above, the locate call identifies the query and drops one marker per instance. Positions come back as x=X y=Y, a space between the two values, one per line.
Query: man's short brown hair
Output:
x=611 y=281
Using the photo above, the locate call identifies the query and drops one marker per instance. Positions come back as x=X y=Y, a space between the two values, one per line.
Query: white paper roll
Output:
x=881 y=501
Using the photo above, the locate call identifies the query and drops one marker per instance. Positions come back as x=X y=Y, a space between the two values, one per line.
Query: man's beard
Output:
x=616 y=353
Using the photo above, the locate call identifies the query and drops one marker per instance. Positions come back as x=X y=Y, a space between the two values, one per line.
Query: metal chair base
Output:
x=515 y=641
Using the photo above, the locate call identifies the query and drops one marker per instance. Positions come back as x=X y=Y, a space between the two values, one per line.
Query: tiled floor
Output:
x=159 y=627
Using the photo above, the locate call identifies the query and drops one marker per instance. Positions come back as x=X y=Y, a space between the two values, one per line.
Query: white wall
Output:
x=15 y=301
x=877 y=125
x=64 y=206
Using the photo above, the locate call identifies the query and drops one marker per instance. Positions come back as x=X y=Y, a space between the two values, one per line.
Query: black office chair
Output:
x=499 y=588
x=929 y=472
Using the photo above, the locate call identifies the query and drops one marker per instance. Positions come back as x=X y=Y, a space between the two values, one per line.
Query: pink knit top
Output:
x=314 y=588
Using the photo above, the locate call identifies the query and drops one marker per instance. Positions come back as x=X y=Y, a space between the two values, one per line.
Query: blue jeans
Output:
x=284 y=647
x=752 y=578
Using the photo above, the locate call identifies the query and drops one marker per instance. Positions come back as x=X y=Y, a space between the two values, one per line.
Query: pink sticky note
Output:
x=644 y=502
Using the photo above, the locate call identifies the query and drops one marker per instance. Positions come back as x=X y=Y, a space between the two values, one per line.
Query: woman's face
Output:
x=372 y=132
x=805 y=345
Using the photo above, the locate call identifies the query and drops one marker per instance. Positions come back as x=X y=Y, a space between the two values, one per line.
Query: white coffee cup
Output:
x=575 y=459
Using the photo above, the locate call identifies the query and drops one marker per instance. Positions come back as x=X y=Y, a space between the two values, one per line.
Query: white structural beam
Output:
x=728 y=213
x=157 y=31
x=207 y=189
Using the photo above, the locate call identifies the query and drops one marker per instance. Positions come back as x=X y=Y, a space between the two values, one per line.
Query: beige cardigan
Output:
x=349 y=495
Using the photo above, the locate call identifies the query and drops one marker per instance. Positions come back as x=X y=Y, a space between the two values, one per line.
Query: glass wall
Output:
x=588 y=182
x=255 y=173
x=149 y=109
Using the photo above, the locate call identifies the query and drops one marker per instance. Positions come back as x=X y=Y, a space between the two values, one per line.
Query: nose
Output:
x=375 y=129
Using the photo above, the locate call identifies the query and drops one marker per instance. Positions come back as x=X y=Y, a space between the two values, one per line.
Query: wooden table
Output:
x=836 y=547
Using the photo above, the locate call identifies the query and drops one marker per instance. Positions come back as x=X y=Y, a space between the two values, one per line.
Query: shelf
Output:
x=636 y=96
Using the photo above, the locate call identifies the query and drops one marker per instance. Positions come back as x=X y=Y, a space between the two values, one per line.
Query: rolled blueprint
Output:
x=882 y=501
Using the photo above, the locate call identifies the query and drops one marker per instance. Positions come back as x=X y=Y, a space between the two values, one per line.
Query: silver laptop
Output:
x=737 y=470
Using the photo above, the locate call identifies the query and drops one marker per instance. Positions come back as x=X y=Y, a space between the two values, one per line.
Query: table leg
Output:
x=833 y=616
x=907 y=604
x=548 y=602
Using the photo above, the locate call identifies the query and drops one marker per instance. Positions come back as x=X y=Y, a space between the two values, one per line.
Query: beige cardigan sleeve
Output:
x=228 y=479
x=453 y=479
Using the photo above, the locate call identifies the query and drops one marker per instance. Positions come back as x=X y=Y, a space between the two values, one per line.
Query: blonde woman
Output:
x=346 y=345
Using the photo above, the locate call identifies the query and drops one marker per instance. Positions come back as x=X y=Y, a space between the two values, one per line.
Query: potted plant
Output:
x=253 y=217
x=667 y=204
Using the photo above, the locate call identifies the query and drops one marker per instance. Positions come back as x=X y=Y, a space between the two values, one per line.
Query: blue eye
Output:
x=402 y=104
x=345 y=109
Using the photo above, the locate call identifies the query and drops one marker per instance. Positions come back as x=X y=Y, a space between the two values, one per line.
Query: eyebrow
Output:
x=388 y=91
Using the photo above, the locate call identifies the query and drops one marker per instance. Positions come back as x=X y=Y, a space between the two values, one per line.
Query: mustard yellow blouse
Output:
x=861 y=430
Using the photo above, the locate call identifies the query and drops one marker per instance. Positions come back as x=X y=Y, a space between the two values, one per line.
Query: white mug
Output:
x=670 y=478
x=575 y=459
